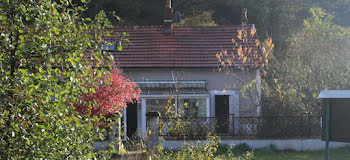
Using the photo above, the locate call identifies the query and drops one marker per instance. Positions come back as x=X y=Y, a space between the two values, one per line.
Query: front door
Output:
x=222 y=113
x=131 y=119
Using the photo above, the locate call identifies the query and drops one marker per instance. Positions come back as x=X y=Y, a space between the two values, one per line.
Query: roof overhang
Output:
x=334 y=94
x=172 y=84
x=164 y=87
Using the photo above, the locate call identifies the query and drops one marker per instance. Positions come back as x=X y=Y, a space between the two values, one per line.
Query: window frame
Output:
x=143 y=99
x=178 y=97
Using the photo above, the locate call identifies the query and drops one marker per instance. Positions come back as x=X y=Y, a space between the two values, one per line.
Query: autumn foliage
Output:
x=110 y=94
x=245 y=51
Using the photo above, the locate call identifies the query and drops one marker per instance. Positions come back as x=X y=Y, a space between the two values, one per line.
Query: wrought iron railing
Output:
x=265 y=127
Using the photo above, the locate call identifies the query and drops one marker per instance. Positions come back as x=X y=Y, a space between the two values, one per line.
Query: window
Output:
x=186 y=107
x=194 y=107
x=154 y=105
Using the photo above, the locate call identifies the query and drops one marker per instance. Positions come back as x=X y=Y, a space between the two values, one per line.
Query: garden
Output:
x=61 y=90
x=218 y=151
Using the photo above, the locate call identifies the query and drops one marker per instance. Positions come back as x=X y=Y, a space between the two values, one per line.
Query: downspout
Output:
x=258 y=93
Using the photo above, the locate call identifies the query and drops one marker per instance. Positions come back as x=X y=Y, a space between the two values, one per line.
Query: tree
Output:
x=108 y=96
x=42 y=71
x=198 y=19
x=243 y=59
x=128 y=11
x=316 y=58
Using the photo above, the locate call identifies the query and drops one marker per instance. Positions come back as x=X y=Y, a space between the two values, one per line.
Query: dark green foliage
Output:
x=270 y=149
x=42 y=68
x=223 y=149
x=243 y=147
x=130 y=12
x=276 y=18
x=198 y=19
x=316 y=58
x=235 y=150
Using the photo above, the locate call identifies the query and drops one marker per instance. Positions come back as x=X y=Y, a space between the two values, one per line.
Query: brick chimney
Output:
x=168 y=18
x=244 y=18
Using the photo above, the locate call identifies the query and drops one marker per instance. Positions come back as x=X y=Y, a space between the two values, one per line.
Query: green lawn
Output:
x=270 y=153
x=335 y=154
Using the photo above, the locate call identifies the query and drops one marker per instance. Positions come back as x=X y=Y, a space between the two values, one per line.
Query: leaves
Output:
x=42 y=69
x=111 y=94
x=315 y=59
x=120 y=47
x=198 y=19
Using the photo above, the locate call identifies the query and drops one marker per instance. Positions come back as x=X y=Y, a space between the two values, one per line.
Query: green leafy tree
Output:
x=128 y=11
x=198 y=19
x=42 y=69
x=317 y=57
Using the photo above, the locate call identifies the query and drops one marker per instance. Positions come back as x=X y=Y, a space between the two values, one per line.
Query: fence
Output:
x=231 y=127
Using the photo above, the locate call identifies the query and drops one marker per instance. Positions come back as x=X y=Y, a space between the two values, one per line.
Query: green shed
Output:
x=339 y=114
x=336 y=121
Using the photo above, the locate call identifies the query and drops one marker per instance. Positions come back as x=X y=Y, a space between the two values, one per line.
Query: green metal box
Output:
x=339 y=114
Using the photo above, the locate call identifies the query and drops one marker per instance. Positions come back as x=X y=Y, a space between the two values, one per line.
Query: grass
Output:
x=335 y=154
x=270 y=153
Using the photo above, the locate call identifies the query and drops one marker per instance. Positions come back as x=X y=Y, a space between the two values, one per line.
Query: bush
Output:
x=43 y=65
x=243 y=147
x=223 y=149
x=209 y=150
x=270 y=149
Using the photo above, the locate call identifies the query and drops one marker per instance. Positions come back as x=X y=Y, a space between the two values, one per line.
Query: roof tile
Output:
x=186 y=47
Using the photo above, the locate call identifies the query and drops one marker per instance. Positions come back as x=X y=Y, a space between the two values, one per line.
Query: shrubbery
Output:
x=43 y=69
x=198 y=151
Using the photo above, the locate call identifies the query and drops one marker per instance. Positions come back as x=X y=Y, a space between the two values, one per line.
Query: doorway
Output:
x=222 y=113
x=131 y=119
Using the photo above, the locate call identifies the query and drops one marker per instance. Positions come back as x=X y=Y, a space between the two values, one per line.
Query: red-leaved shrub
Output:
x=111 y=94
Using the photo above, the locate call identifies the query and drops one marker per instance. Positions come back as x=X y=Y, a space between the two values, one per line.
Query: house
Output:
x=183 y=62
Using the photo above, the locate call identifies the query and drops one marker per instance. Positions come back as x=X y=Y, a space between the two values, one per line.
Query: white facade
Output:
x=217 y=83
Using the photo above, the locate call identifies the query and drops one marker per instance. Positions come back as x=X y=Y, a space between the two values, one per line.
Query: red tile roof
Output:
x=186 y=47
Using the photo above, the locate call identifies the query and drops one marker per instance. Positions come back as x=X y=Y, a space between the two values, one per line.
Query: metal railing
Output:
x=231 y=127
